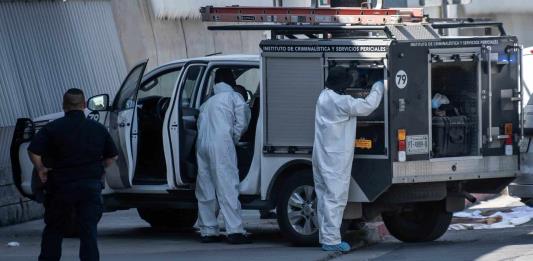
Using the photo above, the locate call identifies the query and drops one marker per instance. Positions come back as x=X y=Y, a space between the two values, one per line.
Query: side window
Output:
x=126 y=97
x=246 y=80
x=192 y=79
x=249 y=79
x=161 y=86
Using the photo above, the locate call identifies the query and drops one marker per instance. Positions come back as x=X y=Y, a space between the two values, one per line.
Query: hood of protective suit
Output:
x=222 y=87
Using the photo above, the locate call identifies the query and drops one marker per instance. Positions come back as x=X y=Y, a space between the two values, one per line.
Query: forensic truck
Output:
x=447 y=127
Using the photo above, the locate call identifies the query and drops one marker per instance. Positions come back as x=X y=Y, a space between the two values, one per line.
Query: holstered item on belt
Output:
x=38 y=188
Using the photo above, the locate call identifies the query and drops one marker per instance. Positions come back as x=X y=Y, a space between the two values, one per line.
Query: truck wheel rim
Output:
x=301 y=210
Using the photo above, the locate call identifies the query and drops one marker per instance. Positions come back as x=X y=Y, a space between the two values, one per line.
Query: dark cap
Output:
x=339 y=78
x=225 y=75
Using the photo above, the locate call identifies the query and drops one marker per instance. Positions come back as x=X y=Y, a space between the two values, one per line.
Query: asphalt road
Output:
x=124 y=236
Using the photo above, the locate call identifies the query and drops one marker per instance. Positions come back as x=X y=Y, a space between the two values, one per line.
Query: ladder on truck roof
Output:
x=306 y=15
x=312 y=22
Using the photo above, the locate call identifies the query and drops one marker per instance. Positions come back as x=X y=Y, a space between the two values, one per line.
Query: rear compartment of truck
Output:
x=455 y=109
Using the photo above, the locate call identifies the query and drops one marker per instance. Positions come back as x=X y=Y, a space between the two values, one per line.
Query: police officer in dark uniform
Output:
x=69 y=155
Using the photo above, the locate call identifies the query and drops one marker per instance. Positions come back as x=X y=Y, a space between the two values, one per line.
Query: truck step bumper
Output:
x=524 y=179
x=521 y=190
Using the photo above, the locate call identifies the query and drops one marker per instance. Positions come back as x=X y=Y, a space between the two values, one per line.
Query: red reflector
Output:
x=401 y=145
x=509 y=140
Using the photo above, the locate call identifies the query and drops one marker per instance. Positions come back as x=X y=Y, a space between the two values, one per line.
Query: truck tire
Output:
x=297 y=199
x=169 y=218
x=422 y=222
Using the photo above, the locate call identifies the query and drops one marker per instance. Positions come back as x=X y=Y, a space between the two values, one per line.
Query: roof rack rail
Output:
x=466 y=23
x=306 y=29
x=292 y=15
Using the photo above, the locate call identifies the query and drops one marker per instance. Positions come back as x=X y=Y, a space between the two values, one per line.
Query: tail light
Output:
x=509 y=139
x=401 y=145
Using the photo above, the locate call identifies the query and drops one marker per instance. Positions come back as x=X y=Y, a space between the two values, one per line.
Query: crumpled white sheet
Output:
x=466 y=214
x=518 y=216
x=13 y=244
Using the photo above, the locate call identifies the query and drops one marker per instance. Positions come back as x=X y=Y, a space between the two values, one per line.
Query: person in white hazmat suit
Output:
x=224 y=117
x=333 y=151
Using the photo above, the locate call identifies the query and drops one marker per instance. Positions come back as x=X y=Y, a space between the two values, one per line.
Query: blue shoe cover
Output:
x=343 y=247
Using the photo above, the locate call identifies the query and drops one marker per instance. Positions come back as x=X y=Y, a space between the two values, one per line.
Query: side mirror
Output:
x=98 y=103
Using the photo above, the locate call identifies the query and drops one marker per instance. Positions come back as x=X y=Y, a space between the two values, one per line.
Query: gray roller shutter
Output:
x=292 y=89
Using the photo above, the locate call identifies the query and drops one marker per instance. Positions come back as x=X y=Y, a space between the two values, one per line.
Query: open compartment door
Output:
x=455 y=103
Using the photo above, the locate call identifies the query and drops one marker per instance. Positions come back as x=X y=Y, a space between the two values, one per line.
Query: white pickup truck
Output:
x=413 y=165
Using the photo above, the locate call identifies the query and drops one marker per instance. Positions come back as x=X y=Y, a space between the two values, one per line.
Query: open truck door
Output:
x=181 y=126
x=24 y=176
x=123 y=129
x=22 y=168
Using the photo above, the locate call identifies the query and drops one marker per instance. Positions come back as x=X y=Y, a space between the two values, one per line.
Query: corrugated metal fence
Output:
x=47 y=47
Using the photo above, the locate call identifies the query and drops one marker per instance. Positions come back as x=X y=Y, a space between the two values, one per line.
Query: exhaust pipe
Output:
x=469 y=197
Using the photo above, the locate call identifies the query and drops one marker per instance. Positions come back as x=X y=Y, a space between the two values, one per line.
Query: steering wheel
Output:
x=250 y=97
x=161 y=107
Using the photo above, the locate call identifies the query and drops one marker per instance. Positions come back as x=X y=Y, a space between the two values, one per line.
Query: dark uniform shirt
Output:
x=74 y=147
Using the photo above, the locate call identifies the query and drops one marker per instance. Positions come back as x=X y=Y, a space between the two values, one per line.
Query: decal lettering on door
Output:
x=95 y=116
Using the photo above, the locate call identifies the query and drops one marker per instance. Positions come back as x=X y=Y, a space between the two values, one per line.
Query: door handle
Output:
x=242 y=144
x=489 y=72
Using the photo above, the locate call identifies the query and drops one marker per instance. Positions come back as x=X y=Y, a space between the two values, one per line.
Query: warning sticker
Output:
x=363 y=144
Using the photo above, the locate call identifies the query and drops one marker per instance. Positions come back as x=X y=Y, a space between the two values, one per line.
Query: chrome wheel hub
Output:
x=301 y=210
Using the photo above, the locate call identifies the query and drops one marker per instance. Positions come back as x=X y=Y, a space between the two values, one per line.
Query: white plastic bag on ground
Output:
x=468 y=214
x=503 y=219
x=13 y=244
x=519 y=221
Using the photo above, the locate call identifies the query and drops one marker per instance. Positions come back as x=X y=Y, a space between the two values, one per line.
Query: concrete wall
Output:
x=142 y=36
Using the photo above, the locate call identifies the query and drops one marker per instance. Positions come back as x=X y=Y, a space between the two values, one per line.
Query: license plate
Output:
x=417 y=144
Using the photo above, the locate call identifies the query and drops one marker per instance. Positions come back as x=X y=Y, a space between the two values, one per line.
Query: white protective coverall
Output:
x=333 y=152
x=223 y=118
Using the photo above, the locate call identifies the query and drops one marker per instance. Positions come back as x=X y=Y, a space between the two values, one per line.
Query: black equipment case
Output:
x=450 y=136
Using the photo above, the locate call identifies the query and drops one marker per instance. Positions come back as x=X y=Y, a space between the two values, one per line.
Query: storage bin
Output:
x=450 y=136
